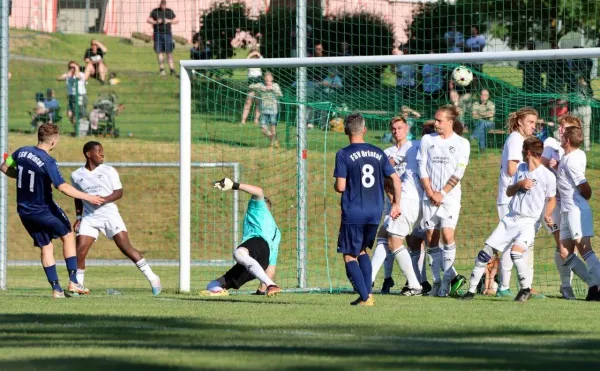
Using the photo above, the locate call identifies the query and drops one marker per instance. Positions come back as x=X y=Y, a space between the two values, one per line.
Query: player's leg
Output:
x=122 y=241
x=432 y=236
x=369 y=233
x=254 y=255
x=83 y=246
x=564 y=271
x=415 y=242
x=350 y=241
x=516 y=254
x=70 y=255
x=448 y=256
x=234 y=278
x=483 y=258
x=379 y=256
x=397 y=230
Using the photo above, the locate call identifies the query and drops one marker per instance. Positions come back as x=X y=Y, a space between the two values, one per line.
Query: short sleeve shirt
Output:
x=102 y=181
x=259 y=222
x=94 y=57
x=158 y=13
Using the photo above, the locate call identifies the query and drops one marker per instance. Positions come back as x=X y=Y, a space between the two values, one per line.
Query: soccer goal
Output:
x=221 y=116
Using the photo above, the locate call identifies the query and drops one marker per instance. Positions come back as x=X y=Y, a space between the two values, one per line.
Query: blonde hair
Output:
x=514 y=119
x=570 y=120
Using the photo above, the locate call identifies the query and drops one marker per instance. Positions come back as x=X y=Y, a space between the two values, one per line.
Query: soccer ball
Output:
x=462 y=76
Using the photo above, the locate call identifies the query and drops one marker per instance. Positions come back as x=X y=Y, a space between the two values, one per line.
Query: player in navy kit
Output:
x=36 y=171
x=360 y=172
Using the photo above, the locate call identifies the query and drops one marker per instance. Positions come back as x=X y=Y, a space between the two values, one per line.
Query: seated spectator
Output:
x=433 y=79
x=39 y=116
x=51 y=104
x=483 y=114
x=94 y=61
x=199 y=51
x=332 y=82
x=76 y=91
x=454 y=40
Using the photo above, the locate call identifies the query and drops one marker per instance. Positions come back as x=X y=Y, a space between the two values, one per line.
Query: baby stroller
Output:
x=103 y=116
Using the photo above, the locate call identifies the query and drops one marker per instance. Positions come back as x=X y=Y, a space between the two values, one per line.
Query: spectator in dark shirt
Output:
x=200 y=52
x=94 y=61
x=557 y=74
x=161 y=19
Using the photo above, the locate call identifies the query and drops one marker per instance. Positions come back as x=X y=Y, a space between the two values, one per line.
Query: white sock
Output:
x=388 y=265
x=379 y=256
x=522 y=268
x=241 y=256
x=580 y=269
x=436 y=262
x=423 y=265
x=144 y=267
x=529 y=258
x=414 y=257
x=506 y=265
x=403 y=258
x=564 y=271
x=449 y=255
x=476 y=275
x=80 y=274
x=591 y=260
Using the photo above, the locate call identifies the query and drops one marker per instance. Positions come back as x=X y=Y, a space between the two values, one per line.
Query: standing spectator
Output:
x=454 y=40
x=483 y=114
x=406 y=78
x=254 y=77
x=583 y=110
x=532 y=73
x=51 y=104
x=475 y=44
x=76 y=91
x=557 y=74
x=269 y=93
x=94 y=61
x=161 y=19
x=332 y=82
x=433 y=79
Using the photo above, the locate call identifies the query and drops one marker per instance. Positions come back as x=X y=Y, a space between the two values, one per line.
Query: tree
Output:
x=219 y=24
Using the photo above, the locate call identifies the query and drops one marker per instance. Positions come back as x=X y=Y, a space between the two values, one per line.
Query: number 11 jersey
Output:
x=364 y=167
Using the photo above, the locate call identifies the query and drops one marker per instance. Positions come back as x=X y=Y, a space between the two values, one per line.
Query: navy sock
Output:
x=52 y=277
x=72 y=268
x=366 y=268
x=355 y=275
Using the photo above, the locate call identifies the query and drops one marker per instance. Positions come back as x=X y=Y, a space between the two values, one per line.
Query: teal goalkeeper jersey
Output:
x=259 y=222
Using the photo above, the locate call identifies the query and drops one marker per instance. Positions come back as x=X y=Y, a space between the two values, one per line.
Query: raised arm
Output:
x=227 y=184
x=101 y=46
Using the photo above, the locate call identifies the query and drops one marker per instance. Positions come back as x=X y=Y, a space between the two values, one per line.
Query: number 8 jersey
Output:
x=364 y=167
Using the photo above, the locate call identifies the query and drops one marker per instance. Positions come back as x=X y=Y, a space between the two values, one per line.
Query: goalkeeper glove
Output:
x=226 y=184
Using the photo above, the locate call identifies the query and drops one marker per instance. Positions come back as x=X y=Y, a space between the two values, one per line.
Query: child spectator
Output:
x=94 y=61
x=269 y=93
x=254 y=78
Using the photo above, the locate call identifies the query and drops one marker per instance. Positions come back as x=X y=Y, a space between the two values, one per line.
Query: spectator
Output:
x=580 y=68
x=161 y=19
x=582 y=109
x=558 y=108
x=254 y=77
x=199 y=51
x=51 y=104
x=332 y=82
x=475 y=44
x=454 y=40
x=39 y=116
x=532 y=73
x=76 y=91
x=433 y=79
x=309 y=42
x=406 y=78
x=557 y=74
x=319 y=50
x=269 y=93
x=483 y=114
x=346 y=50
x=94 y=61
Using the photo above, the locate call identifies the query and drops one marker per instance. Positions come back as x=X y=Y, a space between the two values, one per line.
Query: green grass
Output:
x=297 y=332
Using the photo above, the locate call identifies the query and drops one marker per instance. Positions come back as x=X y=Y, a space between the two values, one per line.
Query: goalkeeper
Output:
x=256 y=256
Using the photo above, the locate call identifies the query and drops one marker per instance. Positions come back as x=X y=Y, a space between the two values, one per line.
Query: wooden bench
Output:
x=495 y=138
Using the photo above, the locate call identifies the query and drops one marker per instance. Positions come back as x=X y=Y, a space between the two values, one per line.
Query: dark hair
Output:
x=268 y=201
x=354 y=124
x=428 y=127
x=90 y=146
x=46 y=131
x=453 y=114
x=534 y=145
x=575 y=135
x=69 y=64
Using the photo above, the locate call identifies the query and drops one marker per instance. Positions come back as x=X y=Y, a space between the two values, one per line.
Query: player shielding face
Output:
x=532 y=191
x=256 y=256
x=576 y=220
x=360 y=171
x=443 y=158
x=36 y=172
x=102 y=180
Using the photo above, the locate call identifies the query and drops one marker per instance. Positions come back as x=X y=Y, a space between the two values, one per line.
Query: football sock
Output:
x=529 y=258
x=53 y=277
x=522 y=268
x=379 y=256
x=72 y=268
x=423 y=265
x=564 y=271
x=506 y=265
x=144 y=267
x=481 y=262
x=388 y=265
x=357 y=279
x=404 y=261
x=449 y=255
x=364 y=263
x=242 y=257
x=436 y=262
x=593 y=264
x=80 y=275
x=580 y=269
x=415 y=255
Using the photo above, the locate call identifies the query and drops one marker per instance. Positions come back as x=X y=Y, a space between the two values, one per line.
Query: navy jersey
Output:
x=37 y=171
x=364 y=167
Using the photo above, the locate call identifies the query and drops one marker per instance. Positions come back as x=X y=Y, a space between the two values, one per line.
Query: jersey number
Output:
x=31 y=178
x=367 y=176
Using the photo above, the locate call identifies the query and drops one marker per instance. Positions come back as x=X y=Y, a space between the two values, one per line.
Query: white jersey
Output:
x=407 y=168
x=439 y=159
x=531 y=203
x=571 y=173
x=101 y=181
x=553 y=150
x=512 y=151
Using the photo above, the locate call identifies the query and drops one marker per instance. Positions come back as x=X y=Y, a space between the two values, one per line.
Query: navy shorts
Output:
x=356 y=237
x=163 y=43
x=45 y=227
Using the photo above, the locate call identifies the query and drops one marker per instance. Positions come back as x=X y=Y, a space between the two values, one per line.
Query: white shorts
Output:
x=444 y=216
x=513 y=230
x=409 y=219
x=109 y=225
x=502 y=211
x=576 y=224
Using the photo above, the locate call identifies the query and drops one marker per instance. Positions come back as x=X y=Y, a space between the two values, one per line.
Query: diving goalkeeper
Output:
x=256 y=256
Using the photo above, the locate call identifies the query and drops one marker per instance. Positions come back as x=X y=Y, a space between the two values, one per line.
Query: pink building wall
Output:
x=126 y=16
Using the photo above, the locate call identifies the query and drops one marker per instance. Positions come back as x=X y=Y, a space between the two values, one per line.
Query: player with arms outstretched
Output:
x=360 y=170
x=95 y=178
x=443 y=158
x=36 y=171
x=532 y=192
x=256 y=256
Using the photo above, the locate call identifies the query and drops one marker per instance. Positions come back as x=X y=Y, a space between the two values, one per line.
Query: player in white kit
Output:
x=98 y=179
x=443 y=158
x=521 y=125
x=576 y=220
x=533 y=190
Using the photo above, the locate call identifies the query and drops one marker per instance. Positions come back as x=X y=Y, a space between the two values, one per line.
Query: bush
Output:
x=218 y=26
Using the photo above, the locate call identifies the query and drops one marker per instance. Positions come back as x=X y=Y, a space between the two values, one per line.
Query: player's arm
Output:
x=550 y=205
x=512 y=189
x=585 y=190
x=8 y=167
x=422 y=158
x=226 y=184
x=340 y=172
x=339 y=185
x=577 y=172
x=117 y=187
x=72 y=192
x=117 y=194
x=460 y=169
